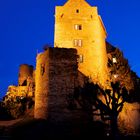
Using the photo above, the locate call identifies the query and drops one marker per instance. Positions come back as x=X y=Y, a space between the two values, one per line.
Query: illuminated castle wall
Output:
x=78 y=25
x=56 y=78
x=26 y=83
x=79 y=33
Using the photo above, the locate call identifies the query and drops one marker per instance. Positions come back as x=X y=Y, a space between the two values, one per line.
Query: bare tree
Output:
x=109 y=102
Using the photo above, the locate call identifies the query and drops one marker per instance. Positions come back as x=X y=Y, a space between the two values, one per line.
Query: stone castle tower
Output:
x=78 y=25
x=56 y=73
x=25 y=74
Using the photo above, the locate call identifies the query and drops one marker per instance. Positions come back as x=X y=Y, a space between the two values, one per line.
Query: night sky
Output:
x=27 y=25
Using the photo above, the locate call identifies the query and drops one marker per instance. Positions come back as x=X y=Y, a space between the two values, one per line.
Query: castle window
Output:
x=24 y=83
x=80 y=59
x=77 y=42
x=62 y=15
x=77 y=10
x=78 y=27
x=114 y=60
x=42 y=69
x=115 y=75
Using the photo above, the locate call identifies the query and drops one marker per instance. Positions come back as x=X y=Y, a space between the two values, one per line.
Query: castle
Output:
x=78 y=25
x=80 y=53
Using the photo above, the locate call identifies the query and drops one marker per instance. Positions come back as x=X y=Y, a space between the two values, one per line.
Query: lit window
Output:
x=114 y=60
x=116 y=75
x=78 y=27
x=77 y=42
x=80 y=60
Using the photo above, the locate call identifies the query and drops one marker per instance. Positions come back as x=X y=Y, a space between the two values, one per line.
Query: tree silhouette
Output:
x=109 y=102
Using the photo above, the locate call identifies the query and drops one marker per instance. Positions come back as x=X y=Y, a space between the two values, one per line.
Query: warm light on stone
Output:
x=129 y=119
x=89 y=29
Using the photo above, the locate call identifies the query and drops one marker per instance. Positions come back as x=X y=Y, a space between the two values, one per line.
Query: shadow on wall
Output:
x=109 y=106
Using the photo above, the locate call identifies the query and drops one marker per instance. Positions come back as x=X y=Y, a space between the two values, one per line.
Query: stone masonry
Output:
x=56 y=75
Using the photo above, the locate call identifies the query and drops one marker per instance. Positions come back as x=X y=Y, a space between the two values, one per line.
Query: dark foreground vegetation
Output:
x=29 y=129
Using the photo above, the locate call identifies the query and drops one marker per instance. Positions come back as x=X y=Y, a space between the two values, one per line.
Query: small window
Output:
x=80 y=59
x=115 y=76
x=42 y=69
x=114 y=60
x=77 y=42
x=62 y=15
x=77 y=10
x=24 y=83
x=78 y=27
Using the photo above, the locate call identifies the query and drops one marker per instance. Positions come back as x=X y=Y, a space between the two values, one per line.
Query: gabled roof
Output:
x=76 y=2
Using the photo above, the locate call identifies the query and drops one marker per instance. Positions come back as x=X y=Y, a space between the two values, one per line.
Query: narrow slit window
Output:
x=80 y=59
x=42 y=69
x=79 y=42
x=75 y=42
x=62 y=15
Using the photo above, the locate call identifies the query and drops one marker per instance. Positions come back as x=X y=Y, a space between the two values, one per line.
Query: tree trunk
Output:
x=114 y=127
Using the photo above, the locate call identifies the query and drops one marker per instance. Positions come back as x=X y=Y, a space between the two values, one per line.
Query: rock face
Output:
x=56 y=74
x=129 y=119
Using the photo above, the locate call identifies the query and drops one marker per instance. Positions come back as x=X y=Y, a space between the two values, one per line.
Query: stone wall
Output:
x=42 y=85
x=25 y=75
x=55 y=87
x=89 y=40
x=62 y=80
x=55 y=73
x=129 y=119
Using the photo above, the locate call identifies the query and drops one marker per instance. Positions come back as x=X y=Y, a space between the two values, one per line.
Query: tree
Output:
x=109 y=102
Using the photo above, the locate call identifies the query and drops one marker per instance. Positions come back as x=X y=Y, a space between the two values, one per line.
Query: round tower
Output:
x=25 y=73
x=42 y=85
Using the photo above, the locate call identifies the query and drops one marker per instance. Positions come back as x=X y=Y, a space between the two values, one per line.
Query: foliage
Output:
x=120 y=70
x=3 y=112
x=17 y=106
x=109 y=102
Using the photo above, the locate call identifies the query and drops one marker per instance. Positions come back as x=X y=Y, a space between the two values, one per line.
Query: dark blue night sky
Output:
x=27 y=25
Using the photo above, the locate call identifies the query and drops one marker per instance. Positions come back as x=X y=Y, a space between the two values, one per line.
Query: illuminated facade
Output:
x=78 y=30
x=78 y=25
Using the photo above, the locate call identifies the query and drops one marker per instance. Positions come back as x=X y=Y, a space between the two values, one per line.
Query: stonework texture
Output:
x=56 y=84
x=80 y=54
x=25 y=74
x=78 y=25
x=128 y=120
